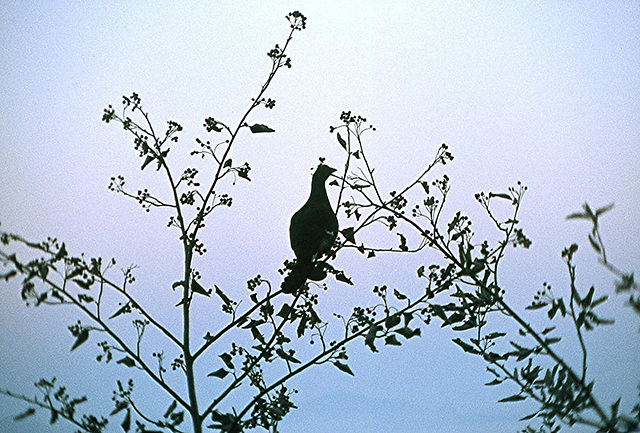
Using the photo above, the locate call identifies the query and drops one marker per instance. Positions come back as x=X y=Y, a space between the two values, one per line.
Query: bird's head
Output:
x=323 y=172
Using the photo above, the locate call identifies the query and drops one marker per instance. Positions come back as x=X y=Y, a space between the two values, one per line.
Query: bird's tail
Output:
x=292 y=282
x=299 y=275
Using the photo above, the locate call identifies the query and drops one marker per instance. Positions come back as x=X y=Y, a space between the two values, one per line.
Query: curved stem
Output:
x=137 y=306
x=120 y=342
x=34 y=400
x=572 y=302
x=557 y=359
x=316 y=359
x=234 y=323
x=247 y=369
x=234 y=135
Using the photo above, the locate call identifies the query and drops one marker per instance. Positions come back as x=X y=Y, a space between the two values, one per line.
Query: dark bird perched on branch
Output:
x=312 y=231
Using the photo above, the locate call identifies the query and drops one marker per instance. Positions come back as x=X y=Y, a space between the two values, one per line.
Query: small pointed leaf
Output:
x=511 y=398
x=129 y=362
x=197 y=288
x=604 y=209
x=171 y=408
x=284 y=311
x=81 y=338
x=125 y=308
x=370 y=338
x=222 y=296
x=500 y=195
x=391 y=340
x=258 y=128
x=577 y=215
x=26 y=414
x=392 y=321
x=343 y=367
x=407 y=332
x=226 y=358
x=342 y=142
x=126 y=422
x=61 y=254
x=466 y=346
x=340 y=276
x=286 y=356
x=147 y=161
x=219 y=373
x=348 y=234
x=399 y=296
x=594 y=244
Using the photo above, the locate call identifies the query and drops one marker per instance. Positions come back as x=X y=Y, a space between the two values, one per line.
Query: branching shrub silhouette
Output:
x=462 y=291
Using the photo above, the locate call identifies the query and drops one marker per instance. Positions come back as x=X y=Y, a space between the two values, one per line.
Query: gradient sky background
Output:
x=543 y=92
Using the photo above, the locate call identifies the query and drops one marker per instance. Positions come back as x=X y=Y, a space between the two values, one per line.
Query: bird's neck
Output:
x=318 y=191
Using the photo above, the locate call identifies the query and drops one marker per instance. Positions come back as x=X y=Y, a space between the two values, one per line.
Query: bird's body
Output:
x=312 y=231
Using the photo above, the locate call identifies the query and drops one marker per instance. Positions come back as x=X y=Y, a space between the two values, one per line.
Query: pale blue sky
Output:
x=543 y=92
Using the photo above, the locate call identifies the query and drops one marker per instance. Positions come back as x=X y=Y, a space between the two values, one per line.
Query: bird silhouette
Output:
x=312 y=231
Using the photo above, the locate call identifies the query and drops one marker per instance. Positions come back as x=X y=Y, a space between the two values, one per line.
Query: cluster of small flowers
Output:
x=142 y=197
x=297 y=20
x=160 y=356
x=226 y=200
x=116 y=184
x=211 y=124
x=133 y=99
x=108 y=115
x=178 y=363
x=188 y=198
x=253 y=283
x=268 y=103
x=189 y=174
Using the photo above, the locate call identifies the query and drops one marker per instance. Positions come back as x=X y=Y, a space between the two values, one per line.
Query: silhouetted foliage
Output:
x=461 y=290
